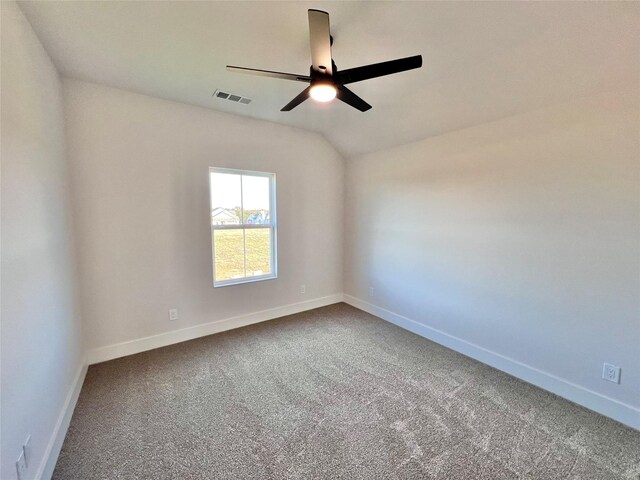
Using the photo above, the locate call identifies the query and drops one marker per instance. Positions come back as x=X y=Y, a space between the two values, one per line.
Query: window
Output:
x=243 y=226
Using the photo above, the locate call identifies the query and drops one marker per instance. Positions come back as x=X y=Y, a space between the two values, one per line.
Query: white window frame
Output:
x=272 y=225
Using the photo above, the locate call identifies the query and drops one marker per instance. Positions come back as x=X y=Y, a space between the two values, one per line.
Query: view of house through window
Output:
x=243 y=226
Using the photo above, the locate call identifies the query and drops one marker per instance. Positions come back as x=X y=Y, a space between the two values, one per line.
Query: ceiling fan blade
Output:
x=320 y=40
x=350 y=98
x=269 y=73
x=302 y=96
x=379 y=69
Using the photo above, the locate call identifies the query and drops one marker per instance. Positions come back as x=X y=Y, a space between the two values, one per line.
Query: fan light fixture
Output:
x=324 y=79
x=323 y=92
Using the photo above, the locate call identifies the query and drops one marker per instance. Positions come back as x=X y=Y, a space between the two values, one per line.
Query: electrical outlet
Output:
x=303 y=289
x=371 y=291
x=173 y=314
x=26 y=449
x=611 y=373
x=21 y=467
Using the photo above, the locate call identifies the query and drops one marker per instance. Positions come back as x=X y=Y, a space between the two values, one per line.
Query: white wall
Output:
x=519 y=236
x=40 y=328
x=141 y=199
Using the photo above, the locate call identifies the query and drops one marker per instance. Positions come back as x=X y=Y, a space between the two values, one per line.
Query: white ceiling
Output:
x=481 y=60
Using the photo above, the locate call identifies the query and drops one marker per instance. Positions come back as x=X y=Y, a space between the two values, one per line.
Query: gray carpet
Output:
x=332 y=393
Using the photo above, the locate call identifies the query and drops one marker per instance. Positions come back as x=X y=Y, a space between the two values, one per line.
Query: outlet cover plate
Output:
x=173 y=314
x=611 y=373
x=21 y=467
x=26 y=448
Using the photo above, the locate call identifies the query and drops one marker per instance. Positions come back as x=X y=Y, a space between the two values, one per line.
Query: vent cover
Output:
x=231 y=97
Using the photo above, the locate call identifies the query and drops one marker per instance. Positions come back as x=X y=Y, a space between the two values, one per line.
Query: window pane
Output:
x=239 y=199
x=255 y=199
x=258 y=248
x=229 y=252
x=226 y=204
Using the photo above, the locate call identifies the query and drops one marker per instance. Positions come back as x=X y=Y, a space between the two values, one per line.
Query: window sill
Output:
x=228 y=283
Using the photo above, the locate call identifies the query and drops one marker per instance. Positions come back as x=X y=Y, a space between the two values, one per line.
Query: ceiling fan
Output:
x=326 y=82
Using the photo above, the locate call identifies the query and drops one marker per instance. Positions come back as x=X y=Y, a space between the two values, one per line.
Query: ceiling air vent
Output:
x=231 y=97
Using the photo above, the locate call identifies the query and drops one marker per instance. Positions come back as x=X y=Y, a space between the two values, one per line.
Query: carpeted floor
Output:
x=332 y=393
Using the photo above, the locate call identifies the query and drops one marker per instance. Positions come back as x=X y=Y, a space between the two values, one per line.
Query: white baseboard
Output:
x=109 y=352
x=48 y=463
x=597 y=402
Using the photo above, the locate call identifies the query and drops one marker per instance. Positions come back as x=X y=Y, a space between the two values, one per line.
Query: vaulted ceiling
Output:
x=482 y=60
